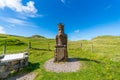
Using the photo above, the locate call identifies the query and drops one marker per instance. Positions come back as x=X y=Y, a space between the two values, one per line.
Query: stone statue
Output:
x=61 y=45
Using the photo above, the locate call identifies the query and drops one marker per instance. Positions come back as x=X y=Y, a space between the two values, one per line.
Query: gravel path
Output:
x=29 y=76
x=71 y=66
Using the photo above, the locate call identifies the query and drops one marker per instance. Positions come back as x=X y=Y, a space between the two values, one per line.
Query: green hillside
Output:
x=100 y=57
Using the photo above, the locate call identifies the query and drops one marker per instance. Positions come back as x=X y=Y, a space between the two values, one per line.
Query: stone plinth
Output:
x=61 y=53
x=72 y=65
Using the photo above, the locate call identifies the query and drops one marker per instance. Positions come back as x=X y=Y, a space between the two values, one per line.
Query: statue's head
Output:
x=61 y=28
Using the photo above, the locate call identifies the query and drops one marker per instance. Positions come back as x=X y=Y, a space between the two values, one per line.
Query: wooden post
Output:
x=81 y=45
x=4 y=49
x=29 y=45
x=48 y=46
x=92 y=48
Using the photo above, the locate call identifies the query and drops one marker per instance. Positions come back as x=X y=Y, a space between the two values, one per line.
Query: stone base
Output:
x=72 y=65
x=61 y=54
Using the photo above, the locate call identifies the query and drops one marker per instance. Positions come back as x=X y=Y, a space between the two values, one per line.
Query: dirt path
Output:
x=28 y=76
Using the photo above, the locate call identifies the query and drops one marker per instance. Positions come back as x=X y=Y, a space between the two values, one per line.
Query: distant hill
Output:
x=16 y=36
x=106 y=37
x=36 y=36
x=20 y=40
x=8 y=35
x=12 y=40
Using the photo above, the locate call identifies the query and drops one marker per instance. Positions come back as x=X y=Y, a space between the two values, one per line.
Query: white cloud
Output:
x=66 y=3
x=75 y=35
x=2 y=30
x=108 y=7
x=63 y=1
x=16 y=5
x=14 y=21
x=77 y=31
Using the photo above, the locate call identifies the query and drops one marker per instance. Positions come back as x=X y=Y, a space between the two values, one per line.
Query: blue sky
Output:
x=83 y=19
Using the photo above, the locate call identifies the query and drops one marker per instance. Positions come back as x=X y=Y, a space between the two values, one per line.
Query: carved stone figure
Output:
x=61 y=45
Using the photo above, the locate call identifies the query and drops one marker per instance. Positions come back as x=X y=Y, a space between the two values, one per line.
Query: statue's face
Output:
x=60 y=30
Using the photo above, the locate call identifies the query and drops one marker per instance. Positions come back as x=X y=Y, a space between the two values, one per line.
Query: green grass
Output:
x=101 y=64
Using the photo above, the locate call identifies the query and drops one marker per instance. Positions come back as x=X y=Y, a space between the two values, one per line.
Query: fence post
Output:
x=29 y=45
x=92 y=48
x=48 y=46
x=81 y=45
x=4 y=49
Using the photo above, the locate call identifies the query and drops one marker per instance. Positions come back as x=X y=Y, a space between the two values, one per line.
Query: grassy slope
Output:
x=102 y=64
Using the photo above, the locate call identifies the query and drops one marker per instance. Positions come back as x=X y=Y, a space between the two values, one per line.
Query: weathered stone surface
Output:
x=4 y=74
x=61 y=45
x=12 y=64
x=1 y=56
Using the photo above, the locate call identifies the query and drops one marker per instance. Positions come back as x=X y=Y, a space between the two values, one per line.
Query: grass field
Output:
x=103 y=63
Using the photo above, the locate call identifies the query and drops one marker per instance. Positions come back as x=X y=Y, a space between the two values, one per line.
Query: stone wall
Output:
x=6 y=67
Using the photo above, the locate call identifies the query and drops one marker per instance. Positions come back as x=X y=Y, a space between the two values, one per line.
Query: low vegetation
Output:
x=99 y=57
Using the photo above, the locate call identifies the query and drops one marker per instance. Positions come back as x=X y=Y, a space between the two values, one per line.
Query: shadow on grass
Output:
x=32 y=66
x=82 y=59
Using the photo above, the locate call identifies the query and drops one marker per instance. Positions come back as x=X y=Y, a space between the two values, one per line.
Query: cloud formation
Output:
x=66 y=3
x=108 y=7
x=15 y=21
x=77 y=31
x=16 y=5
x=63 y=1
x=2 y=30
